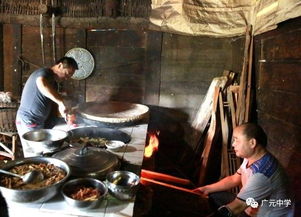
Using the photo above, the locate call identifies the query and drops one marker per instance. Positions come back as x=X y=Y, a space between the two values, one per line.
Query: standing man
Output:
x=39 y=93
x=264 y=191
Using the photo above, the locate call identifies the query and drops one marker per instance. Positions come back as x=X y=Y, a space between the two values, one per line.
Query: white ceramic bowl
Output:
x=115 y=145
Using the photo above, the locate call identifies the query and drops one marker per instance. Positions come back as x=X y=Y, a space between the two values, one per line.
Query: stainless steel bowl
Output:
x=45 y=140
x=122 y=184
x=69 y=186
x=39 y=195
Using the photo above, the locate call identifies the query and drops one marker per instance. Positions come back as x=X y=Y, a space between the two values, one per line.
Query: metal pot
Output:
x=35 y=195
x=45 y=140
x=89 y=161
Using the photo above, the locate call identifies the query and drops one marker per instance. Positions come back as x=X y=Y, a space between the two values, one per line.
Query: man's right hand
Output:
x=63 y=110
x=204 y=190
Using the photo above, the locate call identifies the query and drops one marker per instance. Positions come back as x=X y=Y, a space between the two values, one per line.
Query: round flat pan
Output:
x=113 y=111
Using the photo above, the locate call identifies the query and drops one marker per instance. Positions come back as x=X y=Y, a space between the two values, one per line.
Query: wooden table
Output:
x=110 y=206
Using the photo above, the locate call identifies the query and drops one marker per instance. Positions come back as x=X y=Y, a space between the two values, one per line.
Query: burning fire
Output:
x=152 y=145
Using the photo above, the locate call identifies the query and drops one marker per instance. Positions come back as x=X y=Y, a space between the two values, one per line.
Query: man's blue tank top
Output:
x=34 y=106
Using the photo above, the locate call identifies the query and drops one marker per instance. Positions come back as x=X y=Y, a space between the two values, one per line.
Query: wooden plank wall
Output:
x=278 y=75
x=1 y=60
x=188 y=67
x=12 y=49
x=119 y=72
x=120 y=61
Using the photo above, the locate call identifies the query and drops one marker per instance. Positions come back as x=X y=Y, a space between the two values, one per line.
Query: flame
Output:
x=153 y=145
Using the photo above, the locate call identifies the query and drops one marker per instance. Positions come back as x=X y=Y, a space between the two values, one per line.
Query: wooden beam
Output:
x=82 y=22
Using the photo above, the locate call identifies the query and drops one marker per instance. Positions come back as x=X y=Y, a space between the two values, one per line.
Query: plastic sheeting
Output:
x=221 y=18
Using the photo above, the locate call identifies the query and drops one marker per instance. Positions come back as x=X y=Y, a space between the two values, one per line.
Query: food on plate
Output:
x=85 y=193
x=115 y=145
x=97 y=142
x=52 y=174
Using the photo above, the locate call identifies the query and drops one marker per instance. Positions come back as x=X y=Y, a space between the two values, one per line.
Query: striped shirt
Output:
x=266 y=183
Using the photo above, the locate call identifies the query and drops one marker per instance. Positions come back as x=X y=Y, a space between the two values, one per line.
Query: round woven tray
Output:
x=113 y=112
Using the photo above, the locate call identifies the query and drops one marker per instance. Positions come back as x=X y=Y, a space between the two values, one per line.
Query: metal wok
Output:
x=38 y=195
x=93 y=132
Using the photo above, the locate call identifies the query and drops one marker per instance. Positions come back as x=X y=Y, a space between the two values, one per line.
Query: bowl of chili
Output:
x=84 y=193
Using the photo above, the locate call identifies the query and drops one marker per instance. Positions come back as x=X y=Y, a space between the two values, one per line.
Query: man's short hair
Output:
x=68 y=62
x=253 y=130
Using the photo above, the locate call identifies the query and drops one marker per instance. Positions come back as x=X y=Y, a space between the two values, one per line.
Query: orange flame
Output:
x=152 y=146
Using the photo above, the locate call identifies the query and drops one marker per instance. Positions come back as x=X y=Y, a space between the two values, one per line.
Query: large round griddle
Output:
x=113 y=111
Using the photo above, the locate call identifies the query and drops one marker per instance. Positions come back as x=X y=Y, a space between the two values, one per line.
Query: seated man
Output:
x=264 y=191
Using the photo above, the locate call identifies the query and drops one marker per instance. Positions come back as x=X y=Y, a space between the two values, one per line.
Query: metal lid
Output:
x=88 y=161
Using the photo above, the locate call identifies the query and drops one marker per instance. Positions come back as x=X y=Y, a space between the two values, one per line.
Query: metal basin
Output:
x=39 y=195
x=122 y=184
x=45 y=140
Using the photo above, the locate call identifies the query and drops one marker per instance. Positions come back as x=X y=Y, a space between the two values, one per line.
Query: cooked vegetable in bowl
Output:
x=84 y=193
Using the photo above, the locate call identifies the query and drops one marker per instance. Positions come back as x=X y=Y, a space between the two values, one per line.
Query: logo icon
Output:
x=251 y=202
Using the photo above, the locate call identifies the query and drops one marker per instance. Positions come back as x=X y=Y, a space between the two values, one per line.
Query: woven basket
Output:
x=8 y=113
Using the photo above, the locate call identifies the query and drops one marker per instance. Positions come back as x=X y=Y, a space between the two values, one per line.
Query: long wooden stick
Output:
x=164 y=177
x=171 y=186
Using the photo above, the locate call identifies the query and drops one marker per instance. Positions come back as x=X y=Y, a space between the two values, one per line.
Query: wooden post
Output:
x=248 y=97
x=241 y=106
x=225 y=136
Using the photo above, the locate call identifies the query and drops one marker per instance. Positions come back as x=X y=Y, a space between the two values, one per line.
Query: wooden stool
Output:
x=9 y=152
